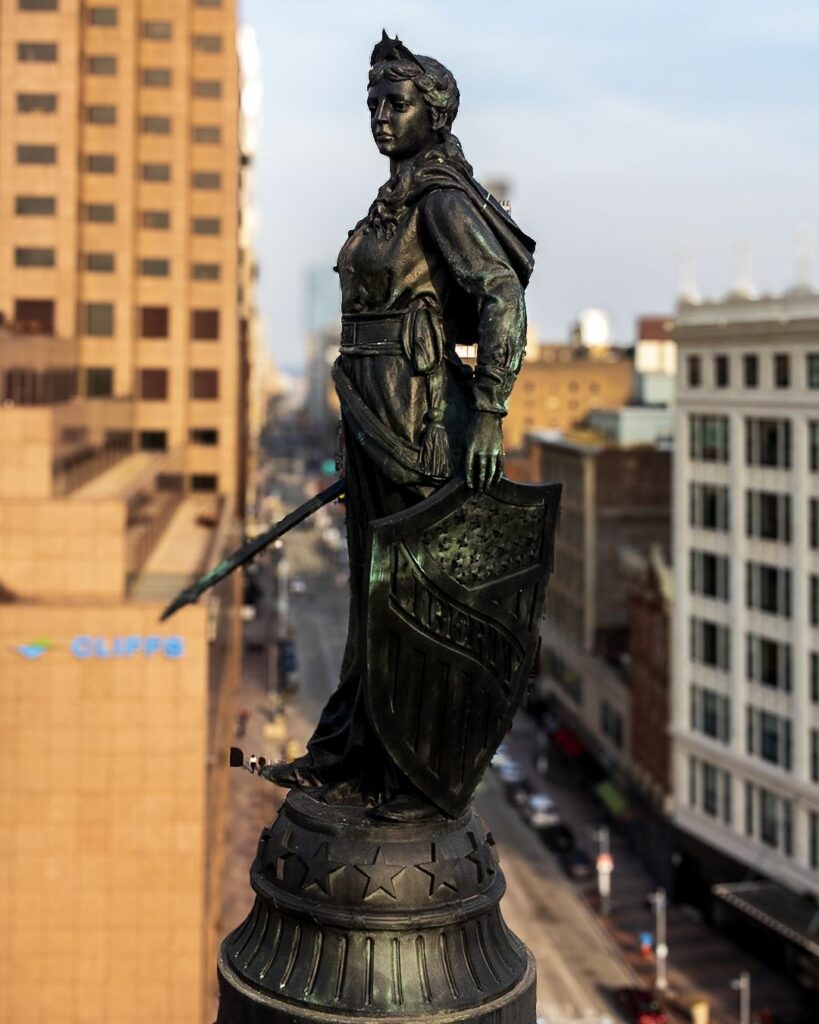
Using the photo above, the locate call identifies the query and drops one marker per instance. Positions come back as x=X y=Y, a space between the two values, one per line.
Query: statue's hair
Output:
x=434 y=82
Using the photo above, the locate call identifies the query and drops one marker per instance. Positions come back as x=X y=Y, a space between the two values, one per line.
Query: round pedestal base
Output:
x=357 y=920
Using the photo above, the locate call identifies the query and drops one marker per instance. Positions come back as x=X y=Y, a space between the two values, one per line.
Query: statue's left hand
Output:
x=484 y=451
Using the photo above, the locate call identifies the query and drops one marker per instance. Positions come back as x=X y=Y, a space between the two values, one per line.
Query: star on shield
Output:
x=439 y=872
x=319 y=869
x=380 y=875
x=481 y=857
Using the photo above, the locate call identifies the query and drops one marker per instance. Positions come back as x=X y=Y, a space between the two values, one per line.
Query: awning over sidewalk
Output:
x=567 y=742
x=791 y=916
x=612 y=799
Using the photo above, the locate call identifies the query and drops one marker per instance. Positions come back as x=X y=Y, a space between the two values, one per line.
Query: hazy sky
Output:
x=632 y=132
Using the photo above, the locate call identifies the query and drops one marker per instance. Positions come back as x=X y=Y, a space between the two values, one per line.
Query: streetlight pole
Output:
x=743 y=985
x=605 y=867
x=658 y=898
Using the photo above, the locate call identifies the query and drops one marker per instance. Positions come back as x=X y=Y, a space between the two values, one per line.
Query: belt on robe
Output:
x=371 y=334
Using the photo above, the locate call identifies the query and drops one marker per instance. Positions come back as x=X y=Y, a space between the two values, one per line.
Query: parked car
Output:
x=540 y=811
x=640 y=1006
x=518 y=791
x=558 y=837
x=577 y=864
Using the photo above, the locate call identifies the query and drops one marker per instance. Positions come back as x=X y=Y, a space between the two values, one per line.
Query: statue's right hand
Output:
x=484 y=451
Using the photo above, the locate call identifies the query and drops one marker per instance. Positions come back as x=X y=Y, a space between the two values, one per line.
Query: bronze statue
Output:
x=377 y=887
x=435 y=262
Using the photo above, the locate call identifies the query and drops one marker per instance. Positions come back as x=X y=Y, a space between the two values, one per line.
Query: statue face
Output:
x=399 y=119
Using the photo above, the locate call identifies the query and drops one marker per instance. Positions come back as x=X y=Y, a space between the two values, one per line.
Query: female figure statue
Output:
x=434 y=263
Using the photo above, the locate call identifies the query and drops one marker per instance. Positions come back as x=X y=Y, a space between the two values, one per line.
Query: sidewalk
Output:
x=701 y=959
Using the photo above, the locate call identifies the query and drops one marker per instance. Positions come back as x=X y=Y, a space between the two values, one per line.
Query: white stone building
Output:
x=745 y=720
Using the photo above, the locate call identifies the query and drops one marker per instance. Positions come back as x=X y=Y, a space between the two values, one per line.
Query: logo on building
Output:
x=85 y=647
x=34 y=649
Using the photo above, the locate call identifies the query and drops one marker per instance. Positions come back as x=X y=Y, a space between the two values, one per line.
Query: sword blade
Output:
x=249 y=550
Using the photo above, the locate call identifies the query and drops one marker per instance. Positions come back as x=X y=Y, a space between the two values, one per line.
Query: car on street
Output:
x=540 y=811
x=558 y=838
x=577 y=864
x=512 y=772
x=640 y=1006
x=518 y=791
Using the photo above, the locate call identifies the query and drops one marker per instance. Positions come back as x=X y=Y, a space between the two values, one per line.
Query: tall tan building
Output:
x=119 y=189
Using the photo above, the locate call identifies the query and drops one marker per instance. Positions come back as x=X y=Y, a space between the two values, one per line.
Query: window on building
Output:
x=101 y=114
x=206 y=179
x=768 y=818
x=35 y=206
x=813 y=600
x=769 y=662
x=153 y=385
x=34 y=256
x=722 y=376
x=98 y=319
x=694 y=371
x=770 y=737
x=36 y=102
x=203 y=482
x=99 y=382
x=813 y=675
x=153 y=440
x=27 y=154
x=709 y=506
x=39 y=52
x=814 y=755
x=749 y=810
x=693 y=778
x=768 y=442
x=170 y=482
x=155 y=219
x=204 y=384
x=99 y=262
x=768 y=588
x=206 y=133
x=611 y=724
x=812 y=370
x=205 y=436
x=155 y=77
x=205 y=324
x=155 y=30
x=36 y=5
x=205 y=271
x=782 y=370
x=207 y=89
x=35 y=315
x=710 y=644
x=813 y=523
x=102 y=213
x=710 y=799
x=153 y=321
x=813 y=840
x=208 y=3
x=105 y=17
x=206 y=225
x=100 y=65
x=750 y=371
x=155 y=172
x=710 y=575
x=710 y=713
x=813 y=445
x=768 y=515
x=152 y=124
x=207 y=43
x=709 y=438
x=153 y=267
x=100 y=163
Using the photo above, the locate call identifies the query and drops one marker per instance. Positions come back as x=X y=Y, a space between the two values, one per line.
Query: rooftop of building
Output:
x=738 y=307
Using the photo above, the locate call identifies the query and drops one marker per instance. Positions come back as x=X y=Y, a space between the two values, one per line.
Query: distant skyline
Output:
x=633 y=135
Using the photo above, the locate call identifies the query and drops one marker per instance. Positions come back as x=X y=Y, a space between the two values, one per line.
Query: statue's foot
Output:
x=298 y=774
x=404 y=807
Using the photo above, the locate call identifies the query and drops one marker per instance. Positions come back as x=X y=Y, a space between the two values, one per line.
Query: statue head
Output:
x=412 y=99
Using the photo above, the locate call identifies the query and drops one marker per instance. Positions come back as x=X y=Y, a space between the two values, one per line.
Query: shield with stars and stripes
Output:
x=456 y=591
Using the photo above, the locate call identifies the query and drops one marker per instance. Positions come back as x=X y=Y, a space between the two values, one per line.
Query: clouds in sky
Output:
x=630 y=132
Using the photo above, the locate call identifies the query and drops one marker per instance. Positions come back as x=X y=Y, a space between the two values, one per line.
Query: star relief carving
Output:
x=380 y=875
x=439 y=872
x=481 y=857
x=278 y=851
x=319 y=869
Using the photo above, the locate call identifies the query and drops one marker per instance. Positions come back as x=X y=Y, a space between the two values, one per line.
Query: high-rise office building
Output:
x=746 y=604
x=119 y=178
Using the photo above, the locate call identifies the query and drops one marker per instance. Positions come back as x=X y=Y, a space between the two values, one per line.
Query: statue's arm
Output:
x=480 y=267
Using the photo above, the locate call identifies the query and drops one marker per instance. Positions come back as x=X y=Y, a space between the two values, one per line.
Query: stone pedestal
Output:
x=357 y=920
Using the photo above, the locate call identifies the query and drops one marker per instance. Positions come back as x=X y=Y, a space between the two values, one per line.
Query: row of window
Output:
x=97 y=319
x=768 y=514
x=105 y=163
x=35 y=51
x=46 y=102
x=96 y=15
x=153 y=384
x=105 y=213
x=767 y=587
x=104 y=262
x=768 y=441
x=781 y=370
